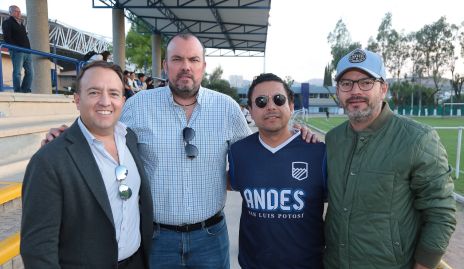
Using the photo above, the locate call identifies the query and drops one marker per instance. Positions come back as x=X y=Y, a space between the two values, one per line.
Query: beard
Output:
x=361 y=115
x=181 y=89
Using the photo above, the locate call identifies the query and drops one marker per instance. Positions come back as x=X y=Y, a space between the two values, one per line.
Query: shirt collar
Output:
x=296 y=133
x=120 y=129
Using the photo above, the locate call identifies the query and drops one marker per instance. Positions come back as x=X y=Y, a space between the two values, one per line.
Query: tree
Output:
x=215 y=82
x=328 y=82
x=398 y=53
x=138 y=45
x=372 y=45
x=392 y=45
x=434 y=43
x=384 y=36
x=394 y=48
x=340 y=43
x=405 y=90
x=456 y=81
x=416 y=57
x=327 y=76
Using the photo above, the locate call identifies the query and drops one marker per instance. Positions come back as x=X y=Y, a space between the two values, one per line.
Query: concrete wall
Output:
x=7 y=70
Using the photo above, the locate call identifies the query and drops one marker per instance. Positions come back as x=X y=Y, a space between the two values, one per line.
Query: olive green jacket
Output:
x=390 y=195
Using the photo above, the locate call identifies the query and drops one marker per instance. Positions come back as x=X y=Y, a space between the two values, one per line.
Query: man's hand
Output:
x=306 y=134
x=53 y=133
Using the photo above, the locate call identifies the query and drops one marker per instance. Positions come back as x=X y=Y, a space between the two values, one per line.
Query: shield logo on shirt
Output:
x=299 y=170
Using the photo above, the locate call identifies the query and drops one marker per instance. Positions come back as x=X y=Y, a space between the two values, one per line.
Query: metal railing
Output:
x=47 y=55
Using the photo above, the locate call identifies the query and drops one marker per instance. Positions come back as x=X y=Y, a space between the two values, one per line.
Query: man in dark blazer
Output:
x=15 y=33
x=86 y=198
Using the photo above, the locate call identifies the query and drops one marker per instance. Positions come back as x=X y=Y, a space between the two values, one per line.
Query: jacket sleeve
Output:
x=433 y=190
x=7 y=34
x=41 y=217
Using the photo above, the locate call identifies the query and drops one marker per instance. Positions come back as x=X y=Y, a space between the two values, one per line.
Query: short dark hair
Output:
x=105 y=54
x=103 y=64
x=140 y=75
x=269 y=77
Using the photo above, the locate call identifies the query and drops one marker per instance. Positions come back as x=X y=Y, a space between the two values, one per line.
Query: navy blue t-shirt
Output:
x=283 y=193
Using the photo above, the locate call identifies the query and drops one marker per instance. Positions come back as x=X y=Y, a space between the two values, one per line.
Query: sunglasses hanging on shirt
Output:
x=124 y=190
x=191 y=150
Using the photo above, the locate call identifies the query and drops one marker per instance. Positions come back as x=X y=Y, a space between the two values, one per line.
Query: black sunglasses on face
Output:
x=188 y=135
x=125 y=191
x=263 y=100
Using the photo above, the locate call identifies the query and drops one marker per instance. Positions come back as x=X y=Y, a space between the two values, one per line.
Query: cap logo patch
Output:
x=358 y=56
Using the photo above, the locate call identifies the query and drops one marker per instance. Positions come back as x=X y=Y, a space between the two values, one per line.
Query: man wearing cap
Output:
x=390 y=192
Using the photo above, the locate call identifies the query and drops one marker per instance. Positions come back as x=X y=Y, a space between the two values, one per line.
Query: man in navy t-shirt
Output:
x=282 y=182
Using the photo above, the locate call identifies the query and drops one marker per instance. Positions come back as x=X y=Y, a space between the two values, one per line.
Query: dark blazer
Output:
x=67 y=220
x=15 y=33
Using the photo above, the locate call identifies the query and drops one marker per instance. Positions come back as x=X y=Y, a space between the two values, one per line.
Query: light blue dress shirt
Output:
x=126 y=214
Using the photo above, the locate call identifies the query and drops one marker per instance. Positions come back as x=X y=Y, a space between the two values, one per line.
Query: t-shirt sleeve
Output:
x=231 y=177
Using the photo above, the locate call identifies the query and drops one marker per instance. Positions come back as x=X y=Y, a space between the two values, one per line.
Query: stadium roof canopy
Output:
x=226 y=27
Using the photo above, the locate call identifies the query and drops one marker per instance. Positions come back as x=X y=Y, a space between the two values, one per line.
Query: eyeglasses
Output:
x=191 y=150
x=125 y=191
x=364 y=84
x=263 y=100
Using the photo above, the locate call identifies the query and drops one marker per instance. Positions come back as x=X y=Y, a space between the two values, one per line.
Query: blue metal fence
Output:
x=47 y=55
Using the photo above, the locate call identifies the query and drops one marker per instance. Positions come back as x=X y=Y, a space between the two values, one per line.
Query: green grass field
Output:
x=449 y=138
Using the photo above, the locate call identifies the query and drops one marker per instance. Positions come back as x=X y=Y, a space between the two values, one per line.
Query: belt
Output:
x=195 y=226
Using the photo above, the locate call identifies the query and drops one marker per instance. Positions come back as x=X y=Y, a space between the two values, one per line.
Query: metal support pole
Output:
x=458 y=153
x=1 y=69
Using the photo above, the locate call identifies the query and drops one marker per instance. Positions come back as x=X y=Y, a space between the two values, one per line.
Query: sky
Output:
x=297 y=36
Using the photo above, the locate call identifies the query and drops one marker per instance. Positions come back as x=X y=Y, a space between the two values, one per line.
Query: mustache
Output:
x=357 y=98
x=183 y=73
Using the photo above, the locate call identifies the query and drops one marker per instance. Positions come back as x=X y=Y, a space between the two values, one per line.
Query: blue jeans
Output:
x=206 y=248
x=21 y=60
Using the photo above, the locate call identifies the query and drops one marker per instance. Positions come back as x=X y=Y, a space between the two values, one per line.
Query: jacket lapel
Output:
x=83 y=158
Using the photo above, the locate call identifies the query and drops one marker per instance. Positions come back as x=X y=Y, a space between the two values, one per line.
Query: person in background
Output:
x=106 y=56
x=91 y=206
x=141 y=81
x=162 y=83
x=391 y=199
x=92 y=56
x=149 y=81
x=282 y=182
x=132 y=81
x=128 y=92
x=15 y=33
x=246 y=113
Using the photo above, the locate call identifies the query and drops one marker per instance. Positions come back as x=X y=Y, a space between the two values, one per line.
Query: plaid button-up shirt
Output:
x=185 y=190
